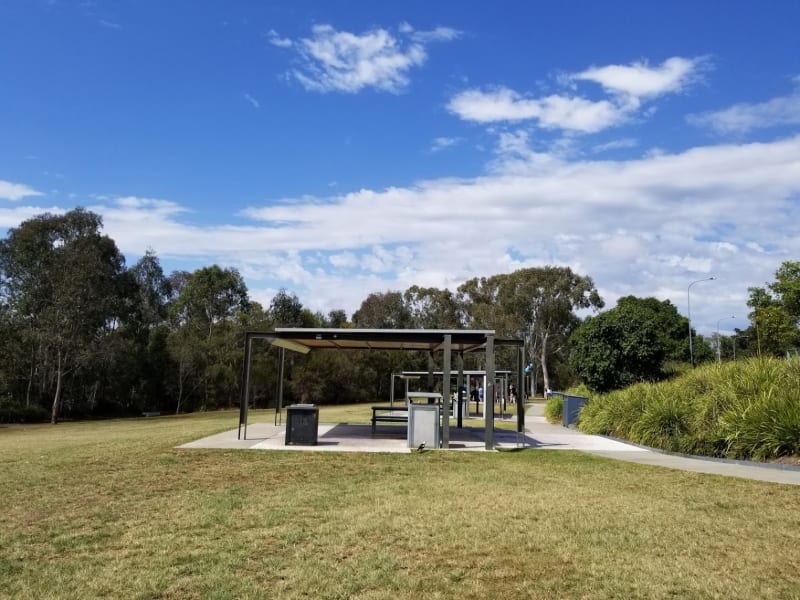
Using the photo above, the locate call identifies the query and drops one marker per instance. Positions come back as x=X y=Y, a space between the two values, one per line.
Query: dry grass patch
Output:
x=112 y=509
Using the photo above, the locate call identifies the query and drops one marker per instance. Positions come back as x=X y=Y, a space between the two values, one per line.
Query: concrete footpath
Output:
x=558 y=437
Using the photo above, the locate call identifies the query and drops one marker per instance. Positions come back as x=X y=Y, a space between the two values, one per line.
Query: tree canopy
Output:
x=628 y=343
x=775 y=314
x=63 y=283
x=536 y=304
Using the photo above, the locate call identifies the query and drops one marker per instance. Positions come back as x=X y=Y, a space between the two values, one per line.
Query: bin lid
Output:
x=303 y=406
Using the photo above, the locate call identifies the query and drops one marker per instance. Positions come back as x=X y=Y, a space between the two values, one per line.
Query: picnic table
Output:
x=388 y=414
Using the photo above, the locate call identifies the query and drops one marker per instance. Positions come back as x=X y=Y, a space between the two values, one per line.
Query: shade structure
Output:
x=446 y=341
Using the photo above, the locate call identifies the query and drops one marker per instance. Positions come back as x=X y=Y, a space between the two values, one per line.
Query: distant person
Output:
x=480 y=393
x=512 y=394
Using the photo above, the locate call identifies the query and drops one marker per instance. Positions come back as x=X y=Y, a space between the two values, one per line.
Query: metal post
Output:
x=521 y=397
x=431 y=365
x=689 y=315
x=488 y=392
x=245 y=393
x=446 y=391
x=460 y=387
x=279 y=403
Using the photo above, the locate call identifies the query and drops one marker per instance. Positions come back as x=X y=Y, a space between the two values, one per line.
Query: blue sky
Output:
x=341 y=148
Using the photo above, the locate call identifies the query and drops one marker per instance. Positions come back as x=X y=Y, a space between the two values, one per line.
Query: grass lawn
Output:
x=111 y=509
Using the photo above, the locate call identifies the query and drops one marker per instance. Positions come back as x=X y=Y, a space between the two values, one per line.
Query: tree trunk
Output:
x=543 y=361
x=93 y=395
x=57 y=396
x=180 y=386
x=30 y=382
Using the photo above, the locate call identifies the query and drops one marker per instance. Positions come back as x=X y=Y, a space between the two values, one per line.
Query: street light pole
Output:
x=689 y=314
x=719 y=340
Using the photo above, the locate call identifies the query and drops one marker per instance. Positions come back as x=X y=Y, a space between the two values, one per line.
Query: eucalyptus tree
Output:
x=432 y=308
x=286 y=310
x=149 y=329
x=64 y=284
x=206 y=340
x=536 y=304
x=383 y=310
x=153 y=291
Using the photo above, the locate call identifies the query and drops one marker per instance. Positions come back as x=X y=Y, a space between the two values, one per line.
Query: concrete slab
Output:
x=343 y=437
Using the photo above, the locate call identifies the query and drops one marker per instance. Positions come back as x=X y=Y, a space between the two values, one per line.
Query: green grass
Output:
x=113 y=510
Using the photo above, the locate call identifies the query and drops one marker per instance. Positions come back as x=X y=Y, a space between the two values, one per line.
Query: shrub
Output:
x=17 y=413
x=554 y=409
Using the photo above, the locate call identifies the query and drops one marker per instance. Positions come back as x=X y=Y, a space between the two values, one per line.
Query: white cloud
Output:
x=744 y=117
x=343 y=260
x=642 y=81
x=276 y=40
x=341 y=61
x=439 y=34
x=16 y=191
x=627 y=85
x=515 y=156
x=619 y=144
x=646 y=227
x=551 y=112
x=440 y=143
x=253 y=102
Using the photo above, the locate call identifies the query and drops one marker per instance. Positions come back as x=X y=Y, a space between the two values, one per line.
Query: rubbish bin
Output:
x=301 y=424
x=571 y=408
x=423 y=425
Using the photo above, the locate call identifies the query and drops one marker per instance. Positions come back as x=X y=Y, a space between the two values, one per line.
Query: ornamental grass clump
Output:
x=664 y=421
x=613 y=414
x=554 y=409
x=744 y=410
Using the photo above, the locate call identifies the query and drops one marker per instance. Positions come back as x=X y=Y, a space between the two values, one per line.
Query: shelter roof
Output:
x=462 y=340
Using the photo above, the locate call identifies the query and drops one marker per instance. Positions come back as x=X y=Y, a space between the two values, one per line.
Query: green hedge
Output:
x=744 y=410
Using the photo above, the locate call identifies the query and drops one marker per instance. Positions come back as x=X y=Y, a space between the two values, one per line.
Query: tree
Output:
x=211 y=298
x=286 y=310
x=64 y=282
x=383 y=310
x=336 y=318
x=432 y=308
x=776 y=311
x=786 y=287
x=628 y=343
x=669 y=323
x=154 y=291
x=148 y=332
x=536 y=304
